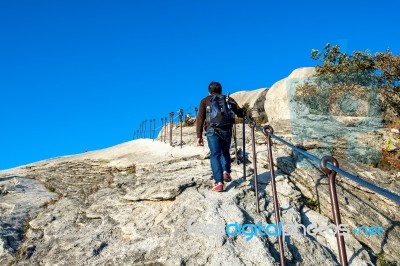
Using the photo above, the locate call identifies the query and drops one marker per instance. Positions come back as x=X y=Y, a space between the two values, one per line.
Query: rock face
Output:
x=255 y=98
x=355 y=100
x=390 y=105
x=277 y=104
x=21 y=198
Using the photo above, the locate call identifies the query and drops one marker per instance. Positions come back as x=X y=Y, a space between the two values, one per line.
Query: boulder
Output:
x=255 y=98
x=277 y=105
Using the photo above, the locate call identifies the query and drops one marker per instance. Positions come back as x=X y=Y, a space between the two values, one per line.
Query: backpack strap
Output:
x=227 y=101
x=208 y=114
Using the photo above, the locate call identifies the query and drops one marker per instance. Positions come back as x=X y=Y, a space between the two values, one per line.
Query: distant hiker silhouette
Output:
x=216 y=118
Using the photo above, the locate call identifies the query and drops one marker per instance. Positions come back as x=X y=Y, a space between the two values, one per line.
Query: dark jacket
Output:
x=201 y=122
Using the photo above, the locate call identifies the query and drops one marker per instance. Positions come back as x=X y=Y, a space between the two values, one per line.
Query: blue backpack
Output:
x=219 y=113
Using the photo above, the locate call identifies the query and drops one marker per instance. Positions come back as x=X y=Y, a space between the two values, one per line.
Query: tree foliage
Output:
x=383 y=68
x=356 y=73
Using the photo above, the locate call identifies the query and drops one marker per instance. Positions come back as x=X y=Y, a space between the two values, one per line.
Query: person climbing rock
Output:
x=216 y=118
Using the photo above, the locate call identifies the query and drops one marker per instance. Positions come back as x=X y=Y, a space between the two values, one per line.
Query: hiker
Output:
x=216 y=117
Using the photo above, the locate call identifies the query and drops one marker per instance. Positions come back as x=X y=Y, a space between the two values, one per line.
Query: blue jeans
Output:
x=219 y=142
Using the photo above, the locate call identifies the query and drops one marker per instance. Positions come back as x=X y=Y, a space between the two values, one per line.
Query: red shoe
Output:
x=219 y=187
x=227 y=177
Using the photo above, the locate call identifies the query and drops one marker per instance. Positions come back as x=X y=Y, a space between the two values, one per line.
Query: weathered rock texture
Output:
x=163 y=214
x=21 y=198
x=255 y=99
x=277 y=105
x=358 y=205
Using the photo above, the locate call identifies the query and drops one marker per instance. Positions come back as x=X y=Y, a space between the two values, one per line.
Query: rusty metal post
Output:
x=165 y=130
x=151 y=126
x=267 y=130
x=235 y=140
x=180 y=120
x=253 y=142
x=244 y=146
x=161 y=132
x=145 y=122
x=335 y=205
x=171 y=119
x=154 y=128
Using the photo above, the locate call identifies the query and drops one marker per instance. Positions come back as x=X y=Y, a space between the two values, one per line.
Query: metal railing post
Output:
x=244 y=146
x=145 y=122
x=161 y=132
x=253 y=143
x=154 y=128
x=267 y=130
x=335 y=205
x=180 y=120
x=235 y=140
x=151 y=123
x=165 y=130
x=171 y=120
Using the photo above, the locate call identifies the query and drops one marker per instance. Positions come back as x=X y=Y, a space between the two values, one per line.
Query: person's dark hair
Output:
x=215 y=88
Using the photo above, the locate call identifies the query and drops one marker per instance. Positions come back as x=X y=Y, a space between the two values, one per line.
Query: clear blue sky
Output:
x=82 y=75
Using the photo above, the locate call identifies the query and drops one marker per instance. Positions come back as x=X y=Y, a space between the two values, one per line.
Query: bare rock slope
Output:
x=147 y=203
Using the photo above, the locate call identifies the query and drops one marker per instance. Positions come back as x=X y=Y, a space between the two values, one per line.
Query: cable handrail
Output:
x=377 y=189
